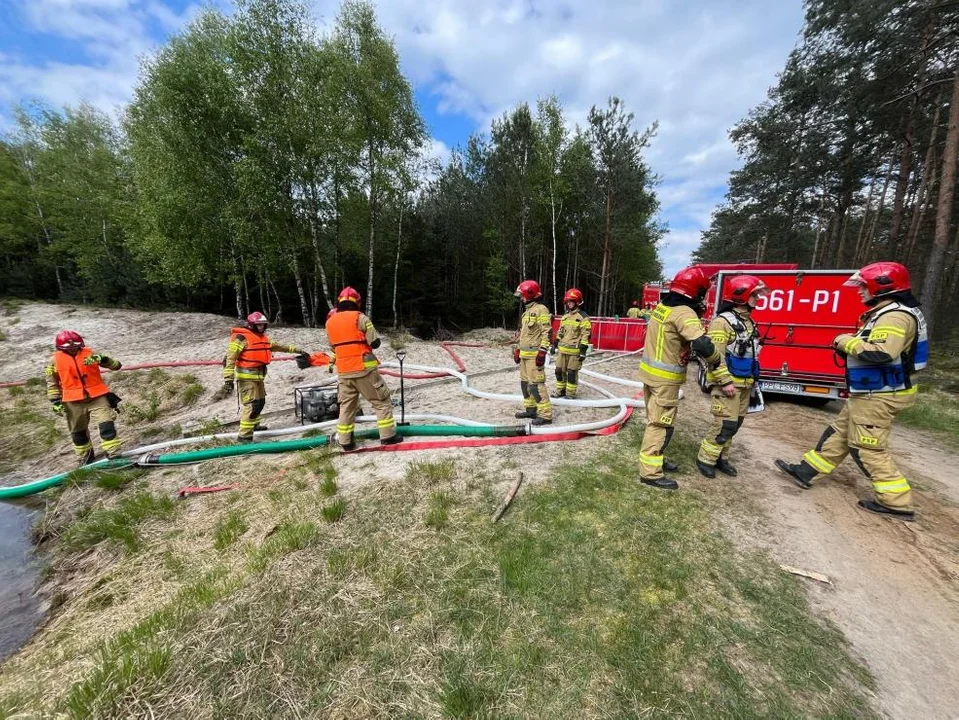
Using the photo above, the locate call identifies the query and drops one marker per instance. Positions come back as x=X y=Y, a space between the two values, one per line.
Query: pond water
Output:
x=19 y=608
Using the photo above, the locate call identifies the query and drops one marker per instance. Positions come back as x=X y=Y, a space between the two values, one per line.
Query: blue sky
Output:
x=696 y=66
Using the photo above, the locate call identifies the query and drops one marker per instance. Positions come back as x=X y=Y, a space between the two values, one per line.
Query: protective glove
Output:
x=303 y=361
x=541 y=358
x=839 y=342
x=92 y=359
x=332 y=366
x=516 y=355
x=57 y=407
x=583 y=349
x=552 y=349
x=224 y=392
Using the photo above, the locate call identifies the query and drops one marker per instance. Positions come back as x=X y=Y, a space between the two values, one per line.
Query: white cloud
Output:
x=697 y=66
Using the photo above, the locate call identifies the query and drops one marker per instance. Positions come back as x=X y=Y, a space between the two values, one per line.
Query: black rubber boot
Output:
x=87 y=458
x=705 y=470
x=244 y=440
x=528 y=413
x=350 y=446
x=873 y=506
x=726 y=468
x=663 y=483
x=395 y=440
x=558 y=394
x=670 y=466
x=261 y=428
x=541 y=421
x=802 y=474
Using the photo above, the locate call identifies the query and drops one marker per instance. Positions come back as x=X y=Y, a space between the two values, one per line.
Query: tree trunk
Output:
x=761 y=248
x=396 y=265
x=926 y=187
x=947 y=189
x=606 y=244
x=861 y=236
x=819 y=228
x=552 y=213
x=902 y=182
x=870 y=242
x=279 y=305
x=237 y=285
x=320 y=270
x=369 y=276
x=304 y=305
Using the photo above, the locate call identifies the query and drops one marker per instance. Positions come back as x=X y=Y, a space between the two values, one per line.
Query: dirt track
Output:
x=895 y=585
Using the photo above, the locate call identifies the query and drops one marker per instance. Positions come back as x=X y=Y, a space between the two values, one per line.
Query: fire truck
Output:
x=797 y=321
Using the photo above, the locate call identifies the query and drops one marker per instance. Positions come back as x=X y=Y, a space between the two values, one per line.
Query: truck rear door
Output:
x=797 y=320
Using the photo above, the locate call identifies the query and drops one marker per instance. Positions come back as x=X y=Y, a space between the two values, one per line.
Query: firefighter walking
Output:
x=534 y=344
x=572 y=343
x=674 y=329
x=353 y=338
x=248 y=356
x=76 y=391
x=736 y=339
x=881 y=358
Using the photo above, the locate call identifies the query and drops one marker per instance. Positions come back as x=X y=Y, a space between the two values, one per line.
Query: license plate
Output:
x=781 y=387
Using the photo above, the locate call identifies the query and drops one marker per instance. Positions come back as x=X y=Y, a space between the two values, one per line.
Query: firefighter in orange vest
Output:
x=76 y=390
x=674 y=329
x=736 y=339
x=247 y=356
x=353 y=339
x=534 y=344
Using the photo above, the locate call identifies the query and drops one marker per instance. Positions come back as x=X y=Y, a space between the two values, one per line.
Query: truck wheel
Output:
x=701 y=377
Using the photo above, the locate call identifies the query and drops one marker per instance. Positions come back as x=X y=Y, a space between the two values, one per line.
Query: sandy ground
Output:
x=895 y=585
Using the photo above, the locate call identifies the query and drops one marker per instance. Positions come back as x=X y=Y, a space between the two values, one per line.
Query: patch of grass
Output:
x=285 y=538
x=333 y=511
x=149 y=412
x=114 y=479
x=431 y=473
x=3 y=335
x=210 y=427
x=437 y=513
x=118 y=525
x=229 y=528
x=328 y=485
x=935 y=411
x=15 y=391
x=36 y=382
x=191 y=393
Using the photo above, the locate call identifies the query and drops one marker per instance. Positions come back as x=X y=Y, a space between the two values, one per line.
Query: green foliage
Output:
x=229 y=528
x=333 y=510
x=118 y=525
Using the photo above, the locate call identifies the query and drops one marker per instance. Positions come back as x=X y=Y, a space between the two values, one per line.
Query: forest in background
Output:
x=853 y=156
x=263 y=165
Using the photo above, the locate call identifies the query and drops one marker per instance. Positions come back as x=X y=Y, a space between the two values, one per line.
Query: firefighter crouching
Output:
x=76 y=390
x=736 y=339
x=634 y=311
x=247 y=357
x=534 y=343
x=881 y=357
x=572 y=343
x=674 y=329
x=353 y=338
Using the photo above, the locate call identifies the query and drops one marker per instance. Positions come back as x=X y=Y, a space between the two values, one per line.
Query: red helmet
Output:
x=68 y=340
x=691 y=282
x=348 y=294
x=881 y=278
x=528 y=290
x=573 y=295
x=635 y=303
x=741 y=288
x=256 y=318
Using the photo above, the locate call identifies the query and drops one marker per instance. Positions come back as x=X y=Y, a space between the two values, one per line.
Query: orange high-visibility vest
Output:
x=257 y=351
x=78 y=381
x=348 y=341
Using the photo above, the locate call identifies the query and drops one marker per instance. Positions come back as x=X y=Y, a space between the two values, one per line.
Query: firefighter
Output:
x=353 y=338
x=76 y=390
x=736 y=339
x=249 y=353
x=881 y=357
x=572 y=343
x=534 y=343
x=674 y=329
x=634 y=311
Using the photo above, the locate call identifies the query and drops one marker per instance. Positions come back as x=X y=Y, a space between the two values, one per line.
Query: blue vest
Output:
x=864 y=377
x=742 y=354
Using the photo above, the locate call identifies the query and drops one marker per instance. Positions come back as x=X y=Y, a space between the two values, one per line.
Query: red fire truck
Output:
x=798 y=320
